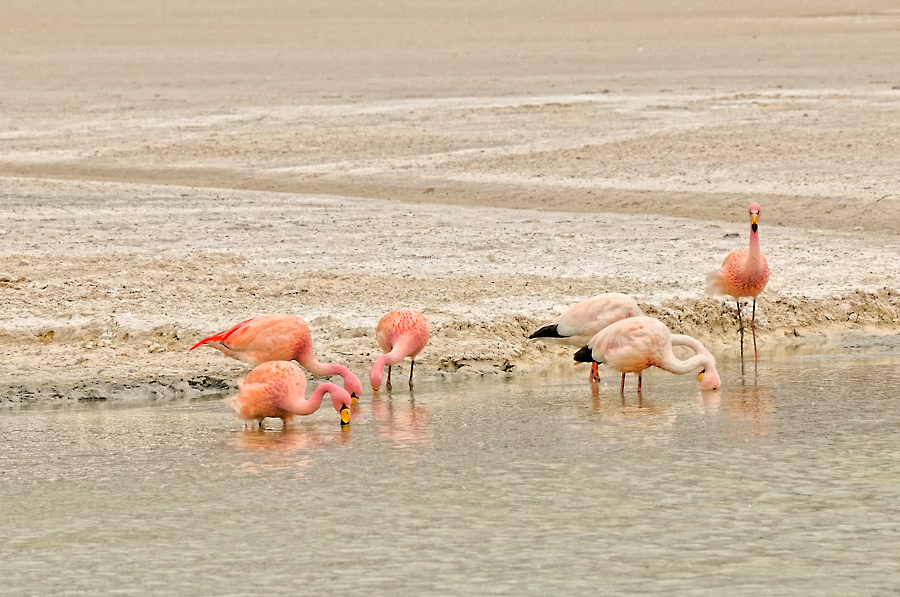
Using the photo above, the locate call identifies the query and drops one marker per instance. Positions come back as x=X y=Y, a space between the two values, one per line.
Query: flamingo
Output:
x=743 y=273
x=276 y=389
x=278 y=337
x=577 y=325
x=637 y=343
x=400 y=334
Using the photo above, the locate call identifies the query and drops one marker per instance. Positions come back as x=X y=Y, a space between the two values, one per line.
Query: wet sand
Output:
x=780 y=483
x=168 y=171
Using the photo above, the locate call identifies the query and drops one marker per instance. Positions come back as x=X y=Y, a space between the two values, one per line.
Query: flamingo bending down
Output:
x=276 y=389
x=577 y=325
x=637 y=343
x=278 y=337
x=400 y=334
x=743 y=273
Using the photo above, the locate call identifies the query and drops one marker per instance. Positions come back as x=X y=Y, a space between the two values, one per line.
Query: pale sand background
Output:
x=169 y=170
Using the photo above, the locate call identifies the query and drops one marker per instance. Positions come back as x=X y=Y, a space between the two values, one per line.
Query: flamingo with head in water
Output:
x=581 y=322
x=277 y=388
x=278 y=337
x=400 y=334
x=743 y=273
x=638 y=343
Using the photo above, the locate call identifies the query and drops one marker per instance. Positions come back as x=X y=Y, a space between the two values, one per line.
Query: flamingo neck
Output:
x=702 y=360
x=389 y=358
x=692 y=343
x=351 y=382
x=754 y=253
x=699 y=361
x=303 y=406
x=339 y=396
x=711 y=379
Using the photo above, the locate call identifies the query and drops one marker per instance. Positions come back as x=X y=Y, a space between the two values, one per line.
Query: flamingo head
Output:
x=709 y=379
x=375 y=377
x=341 y=401
x=754 y=216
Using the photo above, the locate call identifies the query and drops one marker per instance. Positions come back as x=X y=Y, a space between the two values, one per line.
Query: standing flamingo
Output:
x=577 y=325
x=400 y=334
x=743 y=273
x=276 y=389
x=637 y=343
x=278 y=337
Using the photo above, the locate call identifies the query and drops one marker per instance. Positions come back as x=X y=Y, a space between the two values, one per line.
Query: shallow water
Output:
x=785 y=482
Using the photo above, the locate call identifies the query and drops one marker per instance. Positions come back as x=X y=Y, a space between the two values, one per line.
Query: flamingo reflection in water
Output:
x=403 y=423
x=295 y=447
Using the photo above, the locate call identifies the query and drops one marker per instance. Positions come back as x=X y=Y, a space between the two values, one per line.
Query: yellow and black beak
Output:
x=754 y=222
x=345 y=415
x=700 y=377
x=354 y=398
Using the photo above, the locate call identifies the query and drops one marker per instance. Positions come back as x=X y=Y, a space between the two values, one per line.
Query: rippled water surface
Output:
x=785 y=482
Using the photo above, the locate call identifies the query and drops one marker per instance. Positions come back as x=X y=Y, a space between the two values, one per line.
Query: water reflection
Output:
x=295 y=446
x=397 y=420
x=143 y=484
x=401 y=421
x=750 y=404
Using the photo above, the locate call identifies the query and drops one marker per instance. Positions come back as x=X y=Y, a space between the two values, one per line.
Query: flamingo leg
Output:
x=740 y=327
x=388 y=383
x=753 y=329
x=595 y=376
x=412 y=364
x=640 y=379
x=623 y=384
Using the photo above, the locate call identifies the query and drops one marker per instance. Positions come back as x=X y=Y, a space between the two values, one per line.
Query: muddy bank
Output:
x=495 y=349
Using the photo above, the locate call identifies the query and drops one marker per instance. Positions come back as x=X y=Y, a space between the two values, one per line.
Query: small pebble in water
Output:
x=732 y=235
x=23 y=263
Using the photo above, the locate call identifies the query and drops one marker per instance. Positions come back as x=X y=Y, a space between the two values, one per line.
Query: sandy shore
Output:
x=160 y=183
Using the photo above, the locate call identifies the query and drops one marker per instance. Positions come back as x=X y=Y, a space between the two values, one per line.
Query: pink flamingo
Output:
x=577 y=325
x=637 y=343
x=278 y=337
x=743 y=273
x=276 y=389
x=400 y=334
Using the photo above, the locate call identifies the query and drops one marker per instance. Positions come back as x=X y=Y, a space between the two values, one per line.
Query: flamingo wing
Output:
x=221 y=336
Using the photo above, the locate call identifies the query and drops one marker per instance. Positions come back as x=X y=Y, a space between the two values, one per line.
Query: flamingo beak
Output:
x=354 y=398
x=345 y=415
x=754 y=222
x=700 y=377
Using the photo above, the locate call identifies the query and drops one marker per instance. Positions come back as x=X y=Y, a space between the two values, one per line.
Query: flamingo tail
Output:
x=548 y=331
x=714 y=283
x=585 y=355
x=220 y=337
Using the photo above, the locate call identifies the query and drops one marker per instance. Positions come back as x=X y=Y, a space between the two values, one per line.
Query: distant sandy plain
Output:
x=169 y=169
